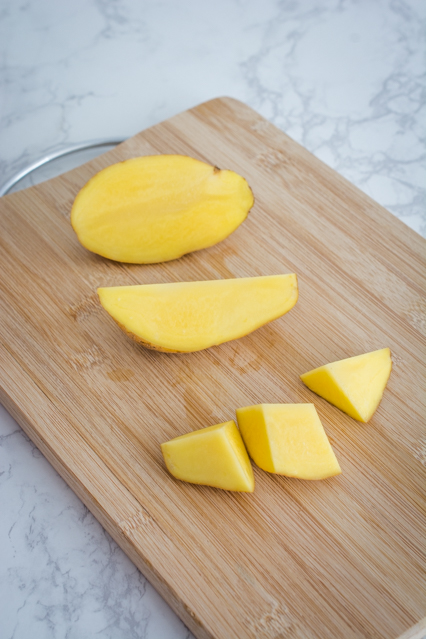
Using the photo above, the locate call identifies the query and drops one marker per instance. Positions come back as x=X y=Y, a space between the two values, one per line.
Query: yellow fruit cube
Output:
x=213 y=456
x=355 y=385
x=287 y=439
x=190 y=316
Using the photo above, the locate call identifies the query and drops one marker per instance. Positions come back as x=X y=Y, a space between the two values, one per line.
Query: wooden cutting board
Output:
x=296 y=559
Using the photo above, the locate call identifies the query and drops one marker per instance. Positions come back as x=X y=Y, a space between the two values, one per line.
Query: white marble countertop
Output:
x=342 y=77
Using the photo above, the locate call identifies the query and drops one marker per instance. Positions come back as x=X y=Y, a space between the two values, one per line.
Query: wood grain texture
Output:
x=338 y=558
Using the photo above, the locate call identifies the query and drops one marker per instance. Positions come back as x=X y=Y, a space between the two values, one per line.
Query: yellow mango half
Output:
x=213 y=456
x=355 y=385
x=190 y=316
x=157 y=208
x=287 y=439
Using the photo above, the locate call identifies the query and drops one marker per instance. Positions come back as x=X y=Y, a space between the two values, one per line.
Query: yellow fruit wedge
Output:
x=355 y=385
x=189 y=316
x=157 y=208
x=287 y=439
x=213 y=456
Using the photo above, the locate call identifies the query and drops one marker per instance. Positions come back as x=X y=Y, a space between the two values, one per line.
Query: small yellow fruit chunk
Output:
x=190 y=316
x=157 y=208
x=355 y=385
x=287 y=439
x=213 y=456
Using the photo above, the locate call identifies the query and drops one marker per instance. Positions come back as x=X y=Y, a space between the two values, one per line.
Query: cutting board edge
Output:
x=189 y=621
x=233 y=104
x=101 y=514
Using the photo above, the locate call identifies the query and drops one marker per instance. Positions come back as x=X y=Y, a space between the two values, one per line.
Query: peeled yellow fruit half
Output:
x=287 y=439
x=157 y=208
x=213 y=456
x=190 y=316
x=355 y=385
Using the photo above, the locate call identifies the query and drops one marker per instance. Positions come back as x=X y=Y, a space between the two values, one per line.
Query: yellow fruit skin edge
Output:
x=215 y=170
x=139 y=340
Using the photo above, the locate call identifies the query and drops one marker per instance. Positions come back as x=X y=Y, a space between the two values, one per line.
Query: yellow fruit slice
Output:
x=355 y=385
x=287 y=439
x=213 y=456
x=190 y=316
x=157 y=208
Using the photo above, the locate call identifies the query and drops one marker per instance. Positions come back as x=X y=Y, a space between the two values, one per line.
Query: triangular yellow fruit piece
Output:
x=190 y=316
x=213 y=456
x=355 y=385
x=287 y=439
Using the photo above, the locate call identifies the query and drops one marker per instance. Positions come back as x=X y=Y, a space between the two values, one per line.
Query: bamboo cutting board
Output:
x=296 y=559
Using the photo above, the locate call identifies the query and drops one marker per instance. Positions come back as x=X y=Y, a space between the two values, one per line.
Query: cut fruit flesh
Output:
x=213 y=456
x=192 y=316
x=287 y=439
x=355 y=385
x=157 y=208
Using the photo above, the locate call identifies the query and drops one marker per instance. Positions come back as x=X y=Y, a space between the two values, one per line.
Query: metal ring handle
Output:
x=73 y=148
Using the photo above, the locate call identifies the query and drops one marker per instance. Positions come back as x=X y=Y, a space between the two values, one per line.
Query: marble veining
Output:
x=345 y=78
x=348 y=85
